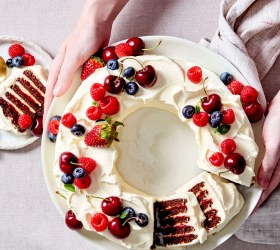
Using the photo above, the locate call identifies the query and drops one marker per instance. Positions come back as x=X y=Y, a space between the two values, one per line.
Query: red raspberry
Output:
x=28 y=60
x=248 y=95
x=53 y=126
x=99 y=222
x=110 y=105
x=87 y=164
x=200 y=119
x=228 y=146
x=97 y=91
x=94 y=113
x=194 y=74
x=235 y=87
x=123 y=49
x=228 y=116
x=16 y=50
x=68 y=120
x=216 y=159
x=254 y=111
x=25 y=121
x=82 y=183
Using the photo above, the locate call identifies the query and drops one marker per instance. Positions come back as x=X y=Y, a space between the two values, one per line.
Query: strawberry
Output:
x=25 y=121
x=235 y=87
x=97 y=91
x=53 y=127
x=216 y=159
x=103 y=134
x=109 y=105
x=123 y=49
x=228 y=146
x=248 y=95
x=68 y=120
x=82 y=183
x=93 y=63
x=194 y=74
x=16 y=50
x=254 y=111
x=228 y=116
x=87 y=164
x=200 y=119
x=94 y=112
x=28 y=60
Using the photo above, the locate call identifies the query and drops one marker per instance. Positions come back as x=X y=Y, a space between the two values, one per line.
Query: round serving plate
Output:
x=9 y=140
x=171 y=47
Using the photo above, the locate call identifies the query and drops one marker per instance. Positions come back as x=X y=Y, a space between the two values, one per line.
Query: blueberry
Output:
x=215 y=119
x=17 y=61
x=131 y=88
x=127 y=213
x=9 y=63
x=128 y=72
x=112 y=64
x=141 y=220
x=52 y=137
x=67 y=178
x=226 y=78
x=56 y=117
x=188 y=111
x=79 y=173
x=78 y=130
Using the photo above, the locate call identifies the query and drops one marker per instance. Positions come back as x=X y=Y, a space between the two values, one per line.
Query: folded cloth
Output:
x=248 y=36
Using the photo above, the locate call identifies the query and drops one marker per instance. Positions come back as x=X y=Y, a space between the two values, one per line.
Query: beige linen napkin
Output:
x=249 y=37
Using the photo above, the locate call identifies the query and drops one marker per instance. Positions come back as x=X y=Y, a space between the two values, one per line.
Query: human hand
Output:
x=269 y=172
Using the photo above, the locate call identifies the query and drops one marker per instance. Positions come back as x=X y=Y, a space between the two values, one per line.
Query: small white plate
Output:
x=172 y=47
x=9 y=140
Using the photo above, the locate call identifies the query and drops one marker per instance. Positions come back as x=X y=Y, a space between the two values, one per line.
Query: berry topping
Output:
x=211 y=103
x=248 y=95
x=110 y=105
x=128 y=72
x=119 y=229
x=228 y=146
x=142 y=220
x=114 y=84
x=111 y=206
x=235 y=163
x=215 y=119
x=254 y=111
x=137 y=45
x=94 y=112
x=56 y=117
x=28 y=60
x=67 y=178
x=72 y=222
x=228 y=116
x=78 y=130
x=90 y=66
x=16 y=50
x=200 y=119
x=123 y=49
x=99 y=222
x=235 y=87
x=79 y=173
x=194 y=74
x=17 y=61
x=53 y=127
x=25 y=121
x=112 y=64
x=82 y=183
x=188 y=111
x=68 y=120
x=109 y=54
x=87 y=164
x=97 y=91
x=67 y=162
x=9 y=63
x=37 y=126
x=216 y=159
x=127 y=213
x=146 y=77
x=226 y=78
x=52 y=137
x=131 y=88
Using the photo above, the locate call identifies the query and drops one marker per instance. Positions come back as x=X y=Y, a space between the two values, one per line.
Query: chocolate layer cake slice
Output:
x=178 y=221
x=219 y=200
x=21 y=93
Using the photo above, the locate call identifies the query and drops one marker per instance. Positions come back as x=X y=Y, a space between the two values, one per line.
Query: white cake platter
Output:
x=171 y=47
x=9 y=140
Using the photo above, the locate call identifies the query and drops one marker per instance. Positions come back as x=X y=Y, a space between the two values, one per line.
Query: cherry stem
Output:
x=97 y=197
x=131 y=58
x=74 y=163
x=204 y=87
x=127 y=220
x=153 y=47
x=119 y=74
x=61 y=195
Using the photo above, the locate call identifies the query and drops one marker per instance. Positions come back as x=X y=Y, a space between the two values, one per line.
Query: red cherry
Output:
x=72 y=222
x=111 y=206
x=109 y=54
x=114 y=84
x=37 y=127
x=137 y=45
x=66 y=161
x=254 y=111
x=119 y=230
x=211 y=103
x=235 y=163
x=146 y=77
x=216 y=159
x=99 y=222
